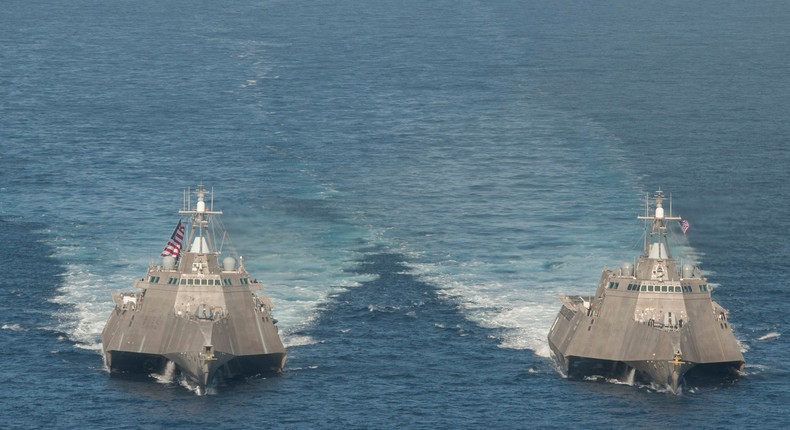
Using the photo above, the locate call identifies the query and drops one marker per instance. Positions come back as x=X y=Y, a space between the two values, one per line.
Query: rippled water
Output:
x=416 y=184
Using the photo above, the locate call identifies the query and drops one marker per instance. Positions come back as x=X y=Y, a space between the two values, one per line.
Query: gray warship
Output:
x=651 y=322
x=194 y=311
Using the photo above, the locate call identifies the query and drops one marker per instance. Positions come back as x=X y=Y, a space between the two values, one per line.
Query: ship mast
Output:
x=200 y=238
x=657 y=242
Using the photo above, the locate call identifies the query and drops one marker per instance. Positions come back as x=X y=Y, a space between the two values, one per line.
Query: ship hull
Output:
x=241 y=342
x=133 y=362
x=629 y=351
x=206 y=371
x=663 y=373
x=194 y=365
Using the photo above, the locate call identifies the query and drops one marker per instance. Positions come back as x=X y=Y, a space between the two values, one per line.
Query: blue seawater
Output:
x=415 y=182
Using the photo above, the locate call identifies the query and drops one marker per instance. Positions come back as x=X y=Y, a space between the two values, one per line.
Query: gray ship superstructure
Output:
x=194 y=310
x=652 y=322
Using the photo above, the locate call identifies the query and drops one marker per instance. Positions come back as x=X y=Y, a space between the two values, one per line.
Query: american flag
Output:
x=173 y=246
x=684 y=226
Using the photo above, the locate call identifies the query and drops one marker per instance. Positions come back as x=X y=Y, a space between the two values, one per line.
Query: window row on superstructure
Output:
x=198 y=281
x=660 y=288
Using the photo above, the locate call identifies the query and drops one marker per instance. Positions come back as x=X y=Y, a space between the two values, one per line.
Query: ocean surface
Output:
x=416 y=183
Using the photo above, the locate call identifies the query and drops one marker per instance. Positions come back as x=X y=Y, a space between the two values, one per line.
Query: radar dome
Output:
x=627 y=269
x=229 y=263
x=169 y=262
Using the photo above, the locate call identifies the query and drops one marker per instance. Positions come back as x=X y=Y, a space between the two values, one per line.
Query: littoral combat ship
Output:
x=194 y=311
x=648 y=322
